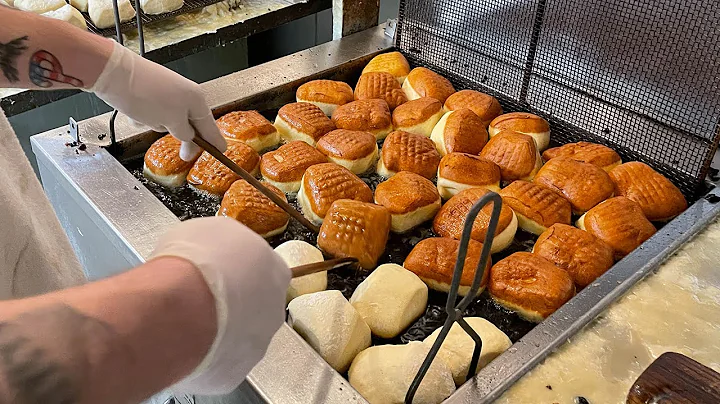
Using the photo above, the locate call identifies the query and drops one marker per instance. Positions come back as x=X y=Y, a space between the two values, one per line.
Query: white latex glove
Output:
x=158 y=97
x=248 y=280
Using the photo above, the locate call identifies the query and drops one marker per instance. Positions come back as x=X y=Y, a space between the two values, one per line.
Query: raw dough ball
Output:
x=38 y=6
x=69 y=14
x=160 y=6
x=390 y=299
x=81 y=5
x=102 y=14
x=458 y=347
x=331 y=326
x=383 y=374
x=296 y=253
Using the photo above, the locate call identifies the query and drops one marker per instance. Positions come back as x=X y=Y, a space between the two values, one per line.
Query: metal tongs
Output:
x=296 y=271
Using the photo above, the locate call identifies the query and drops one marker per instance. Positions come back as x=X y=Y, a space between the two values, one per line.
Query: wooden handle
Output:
x=254 y=182
x=309 y=269
x=674 y=378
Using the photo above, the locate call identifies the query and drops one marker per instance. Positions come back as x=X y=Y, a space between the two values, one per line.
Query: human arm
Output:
x=120 y=340
x=41 y=53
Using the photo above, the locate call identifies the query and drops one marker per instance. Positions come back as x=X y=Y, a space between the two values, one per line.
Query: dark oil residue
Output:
x=186 y=203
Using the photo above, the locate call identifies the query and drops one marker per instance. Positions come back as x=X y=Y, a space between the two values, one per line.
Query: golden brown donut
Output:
x=460 y=171
x=515 y=154
x=659 y=198
x=355 y=150
x=324 y=184
x=536 y=206
x=325 y=94
x=459 y=131
x=433 y=260
x=422 y=82
x=583 y=184
x=403 y=151
x=365 y=115
x=410 y=198
x=592 y=153
x=381 y=86
x=584 y=256
x=210 y=176
x=285 y=166
x=486 y=107
x=247 y=205
x=522 y=122
x=450 y=220
x=302 y=121
x=162 y=163
x=391 y=62
x=530 y=285
x=355 y=229
x=249 y=127
x=418 y=116
x=620 y=223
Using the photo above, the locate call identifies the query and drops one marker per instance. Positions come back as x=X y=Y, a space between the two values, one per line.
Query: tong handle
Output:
x=309 y=269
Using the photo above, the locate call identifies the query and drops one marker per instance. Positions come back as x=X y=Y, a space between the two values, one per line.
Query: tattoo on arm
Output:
x=9 y=52
x=44 y=355
x=46 y=68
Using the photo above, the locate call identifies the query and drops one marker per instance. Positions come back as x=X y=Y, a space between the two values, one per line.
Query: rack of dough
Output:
x=389 y=148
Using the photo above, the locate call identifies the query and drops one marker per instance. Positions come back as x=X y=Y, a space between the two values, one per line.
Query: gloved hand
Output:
x=248 y=280
x=158 y=97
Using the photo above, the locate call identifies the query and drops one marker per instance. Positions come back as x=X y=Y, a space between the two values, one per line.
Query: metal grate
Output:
x=640 y=76
x=131 y=25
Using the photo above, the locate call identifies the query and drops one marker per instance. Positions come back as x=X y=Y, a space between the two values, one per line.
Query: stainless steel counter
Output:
x=109 y=213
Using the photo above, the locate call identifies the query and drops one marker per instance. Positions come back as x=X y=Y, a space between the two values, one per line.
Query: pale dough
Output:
x=81 y=5
x=296 y=253
x=383 y=374
x=458 y=347
x=69 y=14
x=160 y=6
x=38 y=6
x=390 y=299
x=331 y=325
x=102 y=15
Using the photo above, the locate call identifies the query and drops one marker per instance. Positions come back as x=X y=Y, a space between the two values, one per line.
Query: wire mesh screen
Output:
x=641 y=76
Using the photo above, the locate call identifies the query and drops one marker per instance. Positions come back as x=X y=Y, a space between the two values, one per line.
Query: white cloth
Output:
x=35 y=254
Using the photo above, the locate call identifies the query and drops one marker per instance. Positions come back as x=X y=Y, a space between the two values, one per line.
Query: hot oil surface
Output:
x=186 y=203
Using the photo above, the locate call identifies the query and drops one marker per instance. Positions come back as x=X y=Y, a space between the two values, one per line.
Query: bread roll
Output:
x=620 y=223
x=249 y=127
x=410 y=198
x=365 y=115
x=355 y=229
x=325 y=94
x=521 y=122
x=326 y=183
x=515 y=154
x=530 y=285
x=659 y=199
x=380 y=86
x=163 y=165
x=68 y=14
x=244 y=203
x=102 y=14
x=418 y=116
x=433 y=260
x=583 y=184
x=296 y=253
x=457 y=349
x=450 y=220
x=591 y=153
x=160 y=6
x=391 y=62
x=459 y=171
x=383 y=374
x=536 y=206
x=337 y=341
x=390 y=299
x=355 y=150
x=422 y=82
x=486 y=107
x=403 y=151
x=459 y=131
x=210 y=176
x=302 y=121
x=285 y=166
x=582 y=255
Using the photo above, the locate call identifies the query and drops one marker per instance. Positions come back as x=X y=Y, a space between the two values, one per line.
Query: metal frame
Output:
x=127 y=219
